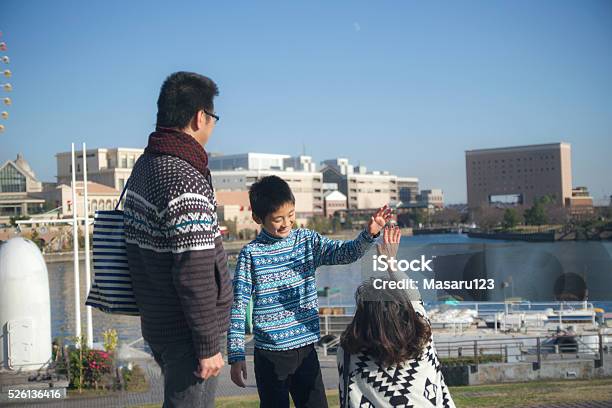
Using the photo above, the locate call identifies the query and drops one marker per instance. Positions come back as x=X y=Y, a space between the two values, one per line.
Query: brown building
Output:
x=518 y=175
x=581 y=202
x=235 y=206
x=334 y=201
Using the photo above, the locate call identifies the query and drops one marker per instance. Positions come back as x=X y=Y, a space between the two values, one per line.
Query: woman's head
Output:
x=385 y=326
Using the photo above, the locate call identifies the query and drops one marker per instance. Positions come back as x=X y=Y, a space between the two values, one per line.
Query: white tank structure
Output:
x=25 y=311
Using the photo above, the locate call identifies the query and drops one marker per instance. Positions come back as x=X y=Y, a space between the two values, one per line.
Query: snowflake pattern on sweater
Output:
x=279 y=275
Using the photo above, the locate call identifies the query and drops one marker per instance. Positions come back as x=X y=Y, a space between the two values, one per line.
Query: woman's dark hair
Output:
x=385 y=326
x=181 y=96
x=268 y=195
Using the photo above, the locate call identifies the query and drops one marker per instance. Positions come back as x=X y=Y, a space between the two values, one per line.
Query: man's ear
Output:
x=256 y=219
x=200 y=119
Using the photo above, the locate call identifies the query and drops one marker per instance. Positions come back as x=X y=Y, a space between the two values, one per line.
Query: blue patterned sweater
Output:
x=279 y=274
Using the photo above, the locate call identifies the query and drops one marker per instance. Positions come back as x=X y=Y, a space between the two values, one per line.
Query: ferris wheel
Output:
x=6 y=86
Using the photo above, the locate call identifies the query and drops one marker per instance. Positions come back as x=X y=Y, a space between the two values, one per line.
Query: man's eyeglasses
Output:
x=212 y=115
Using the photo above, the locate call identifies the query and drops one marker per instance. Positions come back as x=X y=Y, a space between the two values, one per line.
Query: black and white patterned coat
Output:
x=417 y=383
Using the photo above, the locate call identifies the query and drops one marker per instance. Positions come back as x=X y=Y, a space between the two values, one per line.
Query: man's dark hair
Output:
x=268 y=195
x=181 y=96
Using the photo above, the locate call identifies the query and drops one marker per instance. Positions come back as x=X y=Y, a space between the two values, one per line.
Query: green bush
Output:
x=133 y=378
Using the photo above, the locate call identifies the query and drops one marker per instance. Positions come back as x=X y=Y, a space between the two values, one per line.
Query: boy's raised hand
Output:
x=238 y=373
x=379 y=220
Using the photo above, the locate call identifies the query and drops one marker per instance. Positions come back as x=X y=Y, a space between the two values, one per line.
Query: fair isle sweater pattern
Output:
x=175 y=210
x=279 y=275
x=175 y=254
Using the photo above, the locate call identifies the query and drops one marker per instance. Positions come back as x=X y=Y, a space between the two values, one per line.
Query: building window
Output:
x=11 y=180
x=124 y=162
x=131 y=162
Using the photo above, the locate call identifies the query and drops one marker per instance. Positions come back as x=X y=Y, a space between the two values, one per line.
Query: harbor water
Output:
x=591 y=260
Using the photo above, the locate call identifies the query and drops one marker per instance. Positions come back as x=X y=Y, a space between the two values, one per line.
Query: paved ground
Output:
x=155 y=394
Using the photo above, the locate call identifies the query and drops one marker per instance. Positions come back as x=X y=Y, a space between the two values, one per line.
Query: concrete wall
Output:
x=494 y=373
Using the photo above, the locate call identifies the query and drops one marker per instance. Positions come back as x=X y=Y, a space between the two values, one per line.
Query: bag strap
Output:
x=122 y=193
x=345 y=377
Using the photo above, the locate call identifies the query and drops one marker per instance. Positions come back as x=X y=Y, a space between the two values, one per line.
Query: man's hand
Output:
x=239 y=373
x=209 y=367
x=379 y=219
x=391 y=239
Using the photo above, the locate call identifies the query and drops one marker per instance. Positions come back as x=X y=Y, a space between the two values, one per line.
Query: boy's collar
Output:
x=267 y=238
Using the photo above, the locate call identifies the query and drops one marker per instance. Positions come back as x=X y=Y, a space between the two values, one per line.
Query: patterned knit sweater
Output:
x=279 y=274
x=175 y=254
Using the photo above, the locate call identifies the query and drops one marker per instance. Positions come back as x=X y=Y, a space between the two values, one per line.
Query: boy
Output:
x=277 y=270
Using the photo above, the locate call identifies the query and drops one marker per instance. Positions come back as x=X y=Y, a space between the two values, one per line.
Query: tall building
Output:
x=518 y=175
x=19 y=190
x=110 y=167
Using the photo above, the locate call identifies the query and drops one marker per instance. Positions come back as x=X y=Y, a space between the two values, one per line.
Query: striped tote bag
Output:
x=111 y=290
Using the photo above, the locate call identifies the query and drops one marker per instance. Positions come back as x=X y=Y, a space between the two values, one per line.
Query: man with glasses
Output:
x=175 y=251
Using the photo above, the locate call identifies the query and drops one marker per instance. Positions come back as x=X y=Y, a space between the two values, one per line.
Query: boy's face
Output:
x=280 y=222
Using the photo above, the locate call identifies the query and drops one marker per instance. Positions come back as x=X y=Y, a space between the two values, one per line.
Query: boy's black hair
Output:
x=181 y=96
x=268 y=195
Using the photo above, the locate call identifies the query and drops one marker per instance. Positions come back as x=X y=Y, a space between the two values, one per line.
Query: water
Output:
x=539 y=272
x=530 y=264
x=61 y=288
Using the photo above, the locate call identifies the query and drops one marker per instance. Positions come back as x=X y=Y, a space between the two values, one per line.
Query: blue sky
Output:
x=403 y=86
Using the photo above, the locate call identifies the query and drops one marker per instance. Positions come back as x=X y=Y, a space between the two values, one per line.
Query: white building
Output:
x=363 y=190
x=99 y=197
x=301 y=163
x=371 y=190
x=110 y=167
x=433 y=197
x=237 y=172
x=247 y=161
x=306 y=186
x=19 y=190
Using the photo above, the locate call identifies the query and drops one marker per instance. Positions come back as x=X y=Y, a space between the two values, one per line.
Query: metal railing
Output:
x=534 y=349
